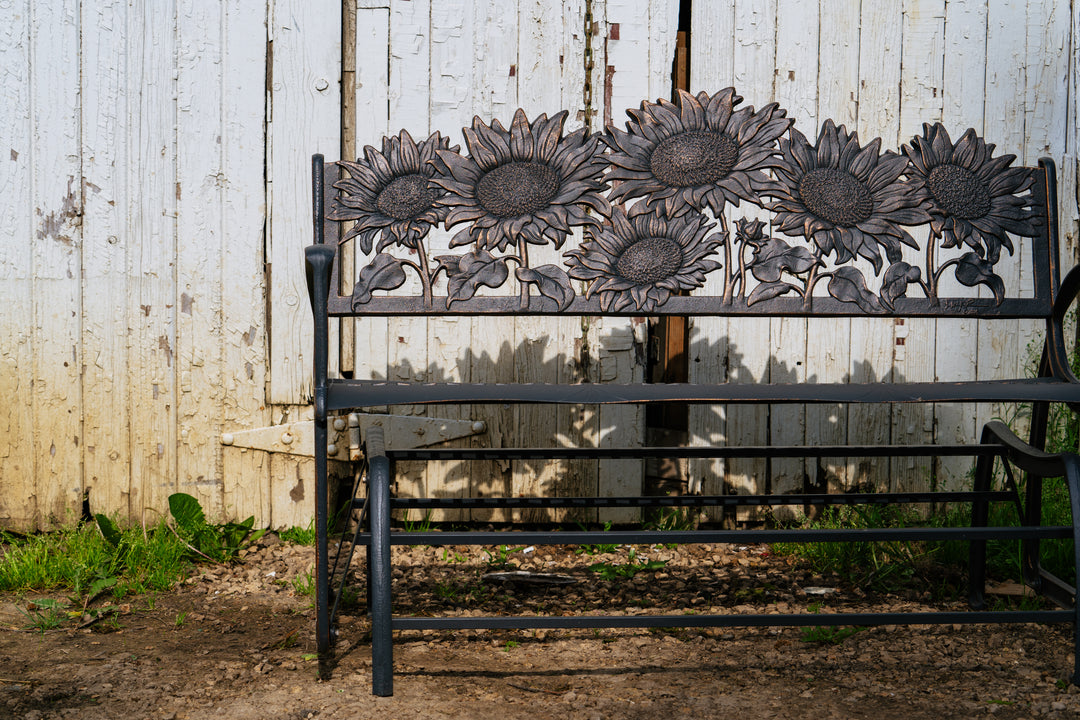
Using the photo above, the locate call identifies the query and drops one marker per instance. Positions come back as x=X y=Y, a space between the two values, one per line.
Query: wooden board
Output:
x=18 y=500
x=956 y=353
x=243 y=339
x=305 y=118
x=712 y=55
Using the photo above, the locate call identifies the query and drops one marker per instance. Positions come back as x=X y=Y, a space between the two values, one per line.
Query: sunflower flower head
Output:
x=528 y=183
x=391 y=193
x=698 y=151
x=976 y=199
x=846 y=199
x=640 y=261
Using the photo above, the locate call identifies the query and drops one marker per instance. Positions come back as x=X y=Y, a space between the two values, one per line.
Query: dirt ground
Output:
x=237 y=642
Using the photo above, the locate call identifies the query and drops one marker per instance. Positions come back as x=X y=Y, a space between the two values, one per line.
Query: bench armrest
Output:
x=1056 y=356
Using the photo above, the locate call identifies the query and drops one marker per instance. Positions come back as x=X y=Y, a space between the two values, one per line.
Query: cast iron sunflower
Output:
x=846 y=198
x=391 y=193
x=976 y=198
x=694 y=152
x=529 y=182
x=642 y=260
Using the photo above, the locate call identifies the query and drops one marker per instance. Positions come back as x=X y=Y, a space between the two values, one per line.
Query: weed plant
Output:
x=80 y=560
x=299 y=535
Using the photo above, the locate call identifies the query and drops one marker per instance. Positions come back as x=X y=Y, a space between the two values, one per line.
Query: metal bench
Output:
x=677 y=210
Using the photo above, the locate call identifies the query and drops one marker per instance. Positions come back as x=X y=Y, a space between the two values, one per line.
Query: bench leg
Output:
x=323 y=631
x=1072 y=480
x=382 y=649
x=980 y=510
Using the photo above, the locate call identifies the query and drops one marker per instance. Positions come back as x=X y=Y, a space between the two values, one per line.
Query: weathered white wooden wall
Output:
x=882 y=67
x=132 y=200
x=154 y=204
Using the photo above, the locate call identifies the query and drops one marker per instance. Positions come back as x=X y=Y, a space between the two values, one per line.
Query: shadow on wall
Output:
x=612 y=358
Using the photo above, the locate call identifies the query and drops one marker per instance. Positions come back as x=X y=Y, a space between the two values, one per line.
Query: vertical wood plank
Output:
x=151 y=182
x=712 y=59
x=18 y=500
x=914 y=344
x=199 y=184
x=490 y=354
x=1045 y=125
x=749 y=347
x=451 y=105
x=828 y=346
x=244 y=358
x=55 y=178
x=872 y=338
x=999 y=348
x=106 y=409
x=542 y=57
x=795 y=88
x=956 y=350
x=371 y=122
x=305 y=118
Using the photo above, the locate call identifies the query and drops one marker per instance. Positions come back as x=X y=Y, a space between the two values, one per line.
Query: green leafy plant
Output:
x=45 y=614
x=829 y=634
x=219 y=543
x=304 y=584
x=299 y=535
x=597 y=549
x=634 y=565
x=423 y=525
x=500 y=558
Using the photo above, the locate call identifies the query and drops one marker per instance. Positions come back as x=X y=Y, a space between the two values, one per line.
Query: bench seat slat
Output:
x=346 y=394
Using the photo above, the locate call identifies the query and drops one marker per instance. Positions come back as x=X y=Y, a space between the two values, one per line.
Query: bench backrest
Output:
x=700 y=207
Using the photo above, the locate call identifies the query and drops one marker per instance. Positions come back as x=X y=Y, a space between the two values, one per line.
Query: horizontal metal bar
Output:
x=822 y=306
x=741 y=537
x=342 y=394
x=735 y=620
x=700 y=500
x=749 y=451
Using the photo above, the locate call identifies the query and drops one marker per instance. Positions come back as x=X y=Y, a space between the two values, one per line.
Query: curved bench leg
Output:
x=980 y=510
x=1072 y=480
x=382 y=648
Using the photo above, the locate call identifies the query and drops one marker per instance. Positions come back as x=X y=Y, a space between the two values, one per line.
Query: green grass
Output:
x=299 y=535
x=80 y=561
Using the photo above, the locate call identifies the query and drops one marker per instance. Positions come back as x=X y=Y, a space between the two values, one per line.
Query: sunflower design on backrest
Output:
x=698 y=185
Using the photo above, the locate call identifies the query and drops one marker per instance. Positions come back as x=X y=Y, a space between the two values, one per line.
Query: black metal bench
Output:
x=840 y=216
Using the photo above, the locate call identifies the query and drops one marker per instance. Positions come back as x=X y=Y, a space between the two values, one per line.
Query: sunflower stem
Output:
x=811 y=279
x=729 y=274
x=931 y=289
x=425 y=273
x=523 y=260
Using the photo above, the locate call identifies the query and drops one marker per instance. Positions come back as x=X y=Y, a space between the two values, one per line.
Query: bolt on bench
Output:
x=825 y=231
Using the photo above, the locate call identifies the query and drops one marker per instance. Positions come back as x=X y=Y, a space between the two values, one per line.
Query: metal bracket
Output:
x=402 y=431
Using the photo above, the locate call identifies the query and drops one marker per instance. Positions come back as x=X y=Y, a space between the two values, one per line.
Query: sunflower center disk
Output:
x=959 y=192
x=694 y=158
x=405 y=197
x=837 y=196
x=650 y=260
x=517 y=188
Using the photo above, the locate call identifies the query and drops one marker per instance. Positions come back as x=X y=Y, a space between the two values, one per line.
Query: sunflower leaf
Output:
x=847 y=284
x=552 y=281
x=972 y=270
x=897 y=278
x=774 y=256
x=767 y=291
x=383 y=273
x=466 y=273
